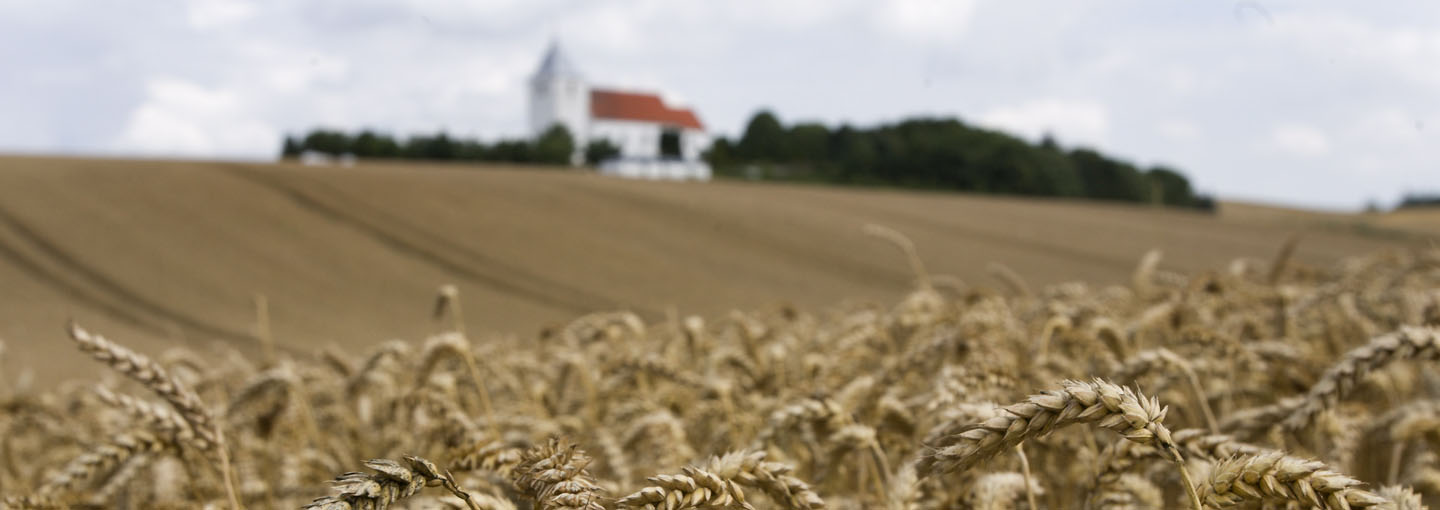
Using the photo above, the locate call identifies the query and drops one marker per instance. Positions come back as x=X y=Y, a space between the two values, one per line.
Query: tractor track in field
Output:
x=1055 y=249
x=128 y=300
x=734 y=233
x=414 y=242
x=81 y=295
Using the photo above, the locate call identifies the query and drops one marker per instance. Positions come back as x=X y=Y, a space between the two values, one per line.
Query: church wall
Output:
x=638 y=139
x=693 y=143
x=657 y=169
x=635 y=139
x=563 y=100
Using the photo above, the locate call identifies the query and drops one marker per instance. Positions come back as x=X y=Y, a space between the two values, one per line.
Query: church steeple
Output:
x=559 y=95
x=555 y=65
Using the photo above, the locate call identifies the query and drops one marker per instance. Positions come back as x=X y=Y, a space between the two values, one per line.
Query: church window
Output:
x=670 y=143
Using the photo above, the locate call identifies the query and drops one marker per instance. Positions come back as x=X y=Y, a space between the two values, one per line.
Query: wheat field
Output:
x=159 y=253
x=1254 y=384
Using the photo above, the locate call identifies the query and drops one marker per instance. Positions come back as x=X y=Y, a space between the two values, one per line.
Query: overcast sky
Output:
x=1322 y=103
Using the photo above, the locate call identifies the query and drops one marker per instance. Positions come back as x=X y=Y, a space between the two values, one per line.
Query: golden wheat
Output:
x=953 y=397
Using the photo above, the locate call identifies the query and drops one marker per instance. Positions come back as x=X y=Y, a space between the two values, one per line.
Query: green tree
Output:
x=598 y=151
x=1108 y=179
x=438 y=147
x=807 y=143
x=369 y=144
x=721 y=157
x=1171 y=187
x=764 y=138
x=1058 y=176
x=291 y=147
x=328 y=141
x=512 y=151
x=853 y=153
x=555 y=146
x=1419 y=199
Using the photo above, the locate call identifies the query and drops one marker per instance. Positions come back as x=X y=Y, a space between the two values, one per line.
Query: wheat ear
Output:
x=750 y=469
x=153 y=376
x=207 y=432
x=102 y=459
x=456 y=345
x=1404 y=498
x=1145 y=361
x=154 y=417
x=1110 y=406
x=1274 y=476
x=1342 y=377
x=695 y=488
x=391 y=482
x=553 y=474
x=1000 y=491
x=1103 y=403
x=486 y=454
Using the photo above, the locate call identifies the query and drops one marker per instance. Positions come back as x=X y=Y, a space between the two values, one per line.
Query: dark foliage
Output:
x=1419 y=200
x=553 y=147
x=935 y=153
x=598 y=151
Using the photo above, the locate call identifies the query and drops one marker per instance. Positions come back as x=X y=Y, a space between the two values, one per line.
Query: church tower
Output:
x=558 y=95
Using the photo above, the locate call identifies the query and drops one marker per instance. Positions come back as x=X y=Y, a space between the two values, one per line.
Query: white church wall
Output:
x=562 y=100
x=639 y=139
x=671 y=169
x=634 y=138
x=694 y=143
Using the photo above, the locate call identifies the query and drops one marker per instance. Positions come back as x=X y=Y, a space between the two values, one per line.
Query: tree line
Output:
x=1414 y=200
x=928 y=153
x=936 y=153
x=554 y=147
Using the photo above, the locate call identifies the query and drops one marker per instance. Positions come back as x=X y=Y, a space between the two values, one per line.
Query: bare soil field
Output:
x=155 y=253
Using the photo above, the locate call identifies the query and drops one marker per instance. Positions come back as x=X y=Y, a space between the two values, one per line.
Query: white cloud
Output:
x=924 y=20
x=1390 y=126
x=1401 y=50
x=209 y=14
x=179 y=118
x=1200 y=87
x=1299 y=140
x=1072 y=122
x=1178 y=130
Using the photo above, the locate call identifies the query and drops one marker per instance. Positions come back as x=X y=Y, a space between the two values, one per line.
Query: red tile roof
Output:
x=609 y=104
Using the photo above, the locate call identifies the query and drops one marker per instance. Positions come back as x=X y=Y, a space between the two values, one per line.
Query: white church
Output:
x=656 y=140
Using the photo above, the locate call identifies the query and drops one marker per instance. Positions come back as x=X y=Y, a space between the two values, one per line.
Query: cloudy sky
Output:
x=1323 y=103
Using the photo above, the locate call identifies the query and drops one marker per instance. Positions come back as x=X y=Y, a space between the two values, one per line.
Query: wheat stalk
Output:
x=906 y=246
